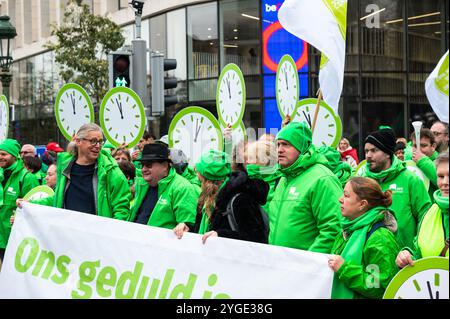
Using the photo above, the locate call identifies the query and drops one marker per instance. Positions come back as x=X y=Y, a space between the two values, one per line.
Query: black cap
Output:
x=155 y=152
x=384 y=139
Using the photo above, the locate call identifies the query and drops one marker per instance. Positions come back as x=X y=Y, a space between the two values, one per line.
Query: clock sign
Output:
x=239 y=134
x=231 y=96
x=73 y=108
x=287 y=86
x=427 y=279
x=328 y=129
x=122 y=117
x=195 y=130
x=4 y=118
x=39 y=192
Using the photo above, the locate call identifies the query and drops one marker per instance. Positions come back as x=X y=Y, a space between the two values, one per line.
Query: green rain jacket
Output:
x=271 y=175
x=111 y=189
x=433 y=229
x=410 y=200
x=305 y=207
x=191 y=176
x=378 y=257
x=177 y=201
x=19 y=183
x=426 y=165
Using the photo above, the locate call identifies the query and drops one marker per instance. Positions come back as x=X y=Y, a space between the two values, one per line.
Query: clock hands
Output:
x=229 y=89
x=119 y=106
x=430 y=292
x=197 y=130
x=308 y=118
x=285 y=76
x=72 y=98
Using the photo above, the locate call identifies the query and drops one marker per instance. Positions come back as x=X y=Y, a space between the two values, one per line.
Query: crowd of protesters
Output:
x=280 y=190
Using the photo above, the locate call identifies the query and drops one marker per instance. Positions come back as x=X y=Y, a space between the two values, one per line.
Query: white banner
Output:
x=436 y=88
x=323 y=24
x=55 y=253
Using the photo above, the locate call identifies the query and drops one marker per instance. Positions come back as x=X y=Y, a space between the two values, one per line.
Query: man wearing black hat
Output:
x=163 y=198
x=410 y=198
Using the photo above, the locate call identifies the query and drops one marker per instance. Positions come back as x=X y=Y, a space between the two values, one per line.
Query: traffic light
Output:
x=160 y=83
x=120 y=69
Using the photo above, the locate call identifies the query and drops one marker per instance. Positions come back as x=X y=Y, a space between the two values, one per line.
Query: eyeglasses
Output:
x=93 y=141
x=25 y=152
x=437 y=134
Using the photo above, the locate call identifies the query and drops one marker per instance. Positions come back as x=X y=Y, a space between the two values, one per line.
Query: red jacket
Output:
x=350 y=151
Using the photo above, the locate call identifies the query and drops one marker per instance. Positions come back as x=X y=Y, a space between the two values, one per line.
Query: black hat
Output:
x=384 y=139
x=155 y=152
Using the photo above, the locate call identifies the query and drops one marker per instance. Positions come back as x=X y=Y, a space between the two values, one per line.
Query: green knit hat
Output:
x=10 y=146
x=298 y=135
x=214 y=165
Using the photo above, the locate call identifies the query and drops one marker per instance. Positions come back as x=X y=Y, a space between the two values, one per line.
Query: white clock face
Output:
x=231 y=95
x=239 y=134
x=287 y=86
x=73 y=108
x=122 y=117
x=427 y=284
x=328 y=129
x=4 y=118
x=195 y=131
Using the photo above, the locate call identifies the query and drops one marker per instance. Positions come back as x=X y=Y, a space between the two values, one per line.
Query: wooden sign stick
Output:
x=316 y=113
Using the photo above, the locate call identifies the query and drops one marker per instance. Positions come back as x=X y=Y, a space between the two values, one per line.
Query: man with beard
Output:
x=440 y=132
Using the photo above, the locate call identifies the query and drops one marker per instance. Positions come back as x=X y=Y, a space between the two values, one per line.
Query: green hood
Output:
x=341 y=169
x=311 y=157
x=391 y=173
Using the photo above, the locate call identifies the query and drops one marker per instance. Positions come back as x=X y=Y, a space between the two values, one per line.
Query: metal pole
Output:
x=6 y=78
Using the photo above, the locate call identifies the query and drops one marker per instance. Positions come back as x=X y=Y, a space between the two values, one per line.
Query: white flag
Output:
x=436 y=87
x=323 y=24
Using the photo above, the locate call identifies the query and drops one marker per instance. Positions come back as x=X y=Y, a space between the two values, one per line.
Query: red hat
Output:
x=54 y=147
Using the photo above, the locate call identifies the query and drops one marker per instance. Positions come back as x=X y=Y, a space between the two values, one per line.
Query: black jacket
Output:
x=246 y=208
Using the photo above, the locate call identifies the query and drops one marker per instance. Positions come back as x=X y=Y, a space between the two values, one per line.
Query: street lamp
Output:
x=7 y=33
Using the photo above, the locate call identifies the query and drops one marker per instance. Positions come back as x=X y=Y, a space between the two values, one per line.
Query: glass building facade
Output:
x=392 y=47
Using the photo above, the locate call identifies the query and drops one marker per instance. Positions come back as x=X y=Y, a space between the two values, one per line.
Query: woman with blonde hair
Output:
x=348 y=153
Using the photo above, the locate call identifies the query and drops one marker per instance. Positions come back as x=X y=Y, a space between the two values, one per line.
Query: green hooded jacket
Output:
x=112 y=193
x=271 y=175
x=342 y=170
x=177 y=201
x=410 y=200
x=18 y=185
x=305 y=207
x=370 y=277
x=426 y=165
x=191 y=176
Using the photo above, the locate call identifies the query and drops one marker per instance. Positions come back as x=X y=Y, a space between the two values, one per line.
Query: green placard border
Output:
x=337 y=118
x=202 y=111
x=80 y=89
x=38 y=189
x=419 y=265
x=4 y=99
x=140 y=105
x=289 y=59
x=229 y=67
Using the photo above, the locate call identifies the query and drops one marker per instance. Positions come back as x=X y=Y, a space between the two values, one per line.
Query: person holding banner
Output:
x=424 y=157
x=223 y=191
x=163 y=198
x=410 y=199
x=15 y=181
x=432 y=237
x=89 y=179
x=440 y=132
x=364 y=252
x=305 y=207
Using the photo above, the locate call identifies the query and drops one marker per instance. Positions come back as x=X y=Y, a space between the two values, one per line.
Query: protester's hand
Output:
x=228 y=133
x=335 y=262
x=180 y=229
x=135 y=155
x=404 y=259
x=417 y=155
x=11 y=220
x=209 y=234
x=123 y=145
x=286 y=121
x=19 y=202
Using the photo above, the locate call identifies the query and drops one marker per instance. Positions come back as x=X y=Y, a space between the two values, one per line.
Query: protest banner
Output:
x=56 y=253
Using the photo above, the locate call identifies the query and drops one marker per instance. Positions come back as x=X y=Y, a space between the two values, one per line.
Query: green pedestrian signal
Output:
x=120 y=69
x=121 y=82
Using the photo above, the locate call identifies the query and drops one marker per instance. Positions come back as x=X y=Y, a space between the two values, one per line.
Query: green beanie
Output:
x=10 y=146
x=214 y=165
x=298 y=135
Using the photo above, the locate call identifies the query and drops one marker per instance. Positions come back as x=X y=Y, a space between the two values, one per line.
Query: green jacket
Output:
x=426 y=165
x=111 y=189
x=271 y=175
x=191 y=176
x=379 y=253
x=410 y=200
x=433 y=229
x=40 y=177
x=19 y=183
x=305 y=207
x=177 y=201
